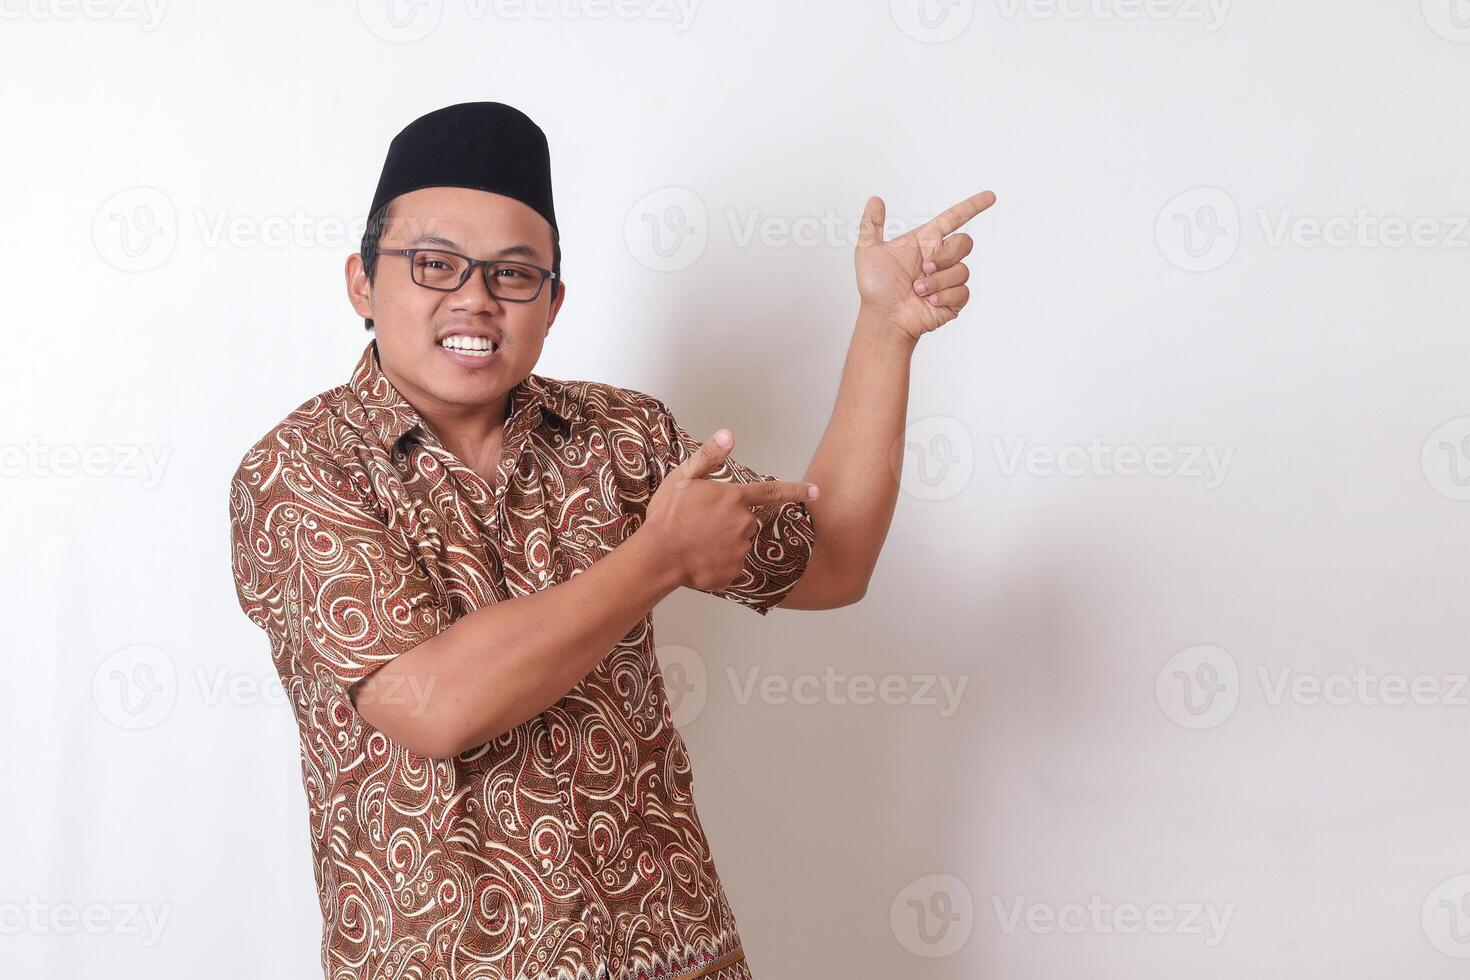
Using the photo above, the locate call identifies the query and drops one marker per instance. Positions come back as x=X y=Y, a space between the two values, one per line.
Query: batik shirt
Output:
x=567 y=847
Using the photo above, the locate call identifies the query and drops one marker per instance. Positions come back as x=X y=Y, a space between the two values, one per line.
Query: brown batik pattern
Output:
x=568 y=847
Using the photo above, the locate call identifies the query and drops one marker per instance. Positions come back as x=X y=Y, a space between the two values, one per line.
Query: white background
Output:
x=178 y=183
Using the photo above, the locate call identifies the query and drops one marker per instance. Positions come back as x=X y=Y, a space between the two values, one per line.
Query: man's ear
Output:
x=359 y=289
x=561 y=295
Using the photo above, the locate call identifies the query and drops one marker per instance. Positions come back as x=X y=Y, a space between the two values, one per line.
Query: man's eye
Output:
x=513 y=273
x=436 y=262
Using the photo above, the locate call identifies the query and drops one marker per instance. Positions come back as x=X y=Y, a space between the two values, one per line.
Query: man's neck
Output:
x=475 y=434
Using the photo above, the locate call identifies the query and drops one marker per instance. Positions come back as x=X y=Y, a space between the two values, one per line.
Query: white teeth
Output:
x=474 y=346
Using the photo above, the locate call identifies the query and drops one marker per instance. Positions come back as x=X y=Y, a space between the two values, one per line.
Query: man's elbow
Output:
x=426 y=737
x=425 y=729
x=852 y=594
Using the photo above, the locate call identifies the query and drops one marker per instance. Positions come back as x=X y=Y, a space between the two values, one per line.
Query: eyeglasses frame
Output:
x=546 y=274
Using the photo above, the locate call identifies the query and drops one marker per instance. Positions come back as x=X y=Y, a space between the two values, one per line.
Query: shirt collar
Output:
x=389 y=416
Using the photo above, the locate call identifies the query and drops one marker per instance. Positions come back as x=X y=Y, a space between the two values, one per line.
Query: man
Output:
x=456 y=561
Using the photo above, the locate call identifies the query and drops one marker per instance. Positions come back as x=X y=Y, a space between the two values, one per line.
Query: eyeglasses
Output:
x=434 y=268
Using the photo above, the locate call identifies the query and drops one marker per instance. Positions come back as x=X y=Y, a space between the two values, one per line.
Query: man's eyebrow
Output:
x=520 y=248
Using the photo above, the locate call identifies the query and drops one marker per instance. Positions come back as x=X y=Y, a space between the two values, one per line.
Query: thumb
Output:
x=870 y=229
x=708 y=457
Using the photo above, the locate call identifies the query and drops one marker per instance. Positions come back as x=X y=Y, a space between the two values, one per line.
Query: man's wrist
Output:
x=650 y=562
x=877 y=326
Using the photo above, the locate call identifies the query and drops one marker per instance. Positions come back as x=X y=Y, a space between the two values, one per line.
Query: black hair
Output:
x=378 y=221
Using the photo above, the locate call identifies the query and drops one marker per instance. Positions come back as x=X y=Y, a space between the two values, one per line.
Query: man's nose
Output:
x=474 y=296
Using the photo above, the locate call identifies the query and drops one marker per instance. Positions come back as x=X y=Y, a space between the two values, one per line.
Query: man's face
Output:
x=410 y=321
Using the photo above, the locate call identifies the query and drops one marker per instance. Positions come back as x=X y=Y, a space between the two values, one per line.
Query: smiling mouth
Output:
x=473 y=348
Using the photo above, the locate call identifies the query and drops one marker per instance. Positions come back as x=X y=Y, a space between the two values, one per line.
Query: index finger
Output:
x=951 y=218
x=768 y=492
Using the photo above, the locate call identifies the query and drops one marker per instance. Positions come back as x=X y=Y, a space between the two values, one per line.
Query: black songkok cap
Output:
x=488 y=146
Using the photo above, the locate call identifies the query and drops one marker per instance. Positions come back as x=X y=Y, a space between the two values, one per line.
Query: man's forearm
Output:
x=507 y=662
x=861 y=454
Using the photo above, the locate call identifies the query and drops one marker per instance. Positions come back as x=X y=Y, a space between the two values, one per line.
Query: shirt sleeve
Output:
x=338 y=592
x=783 y=542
